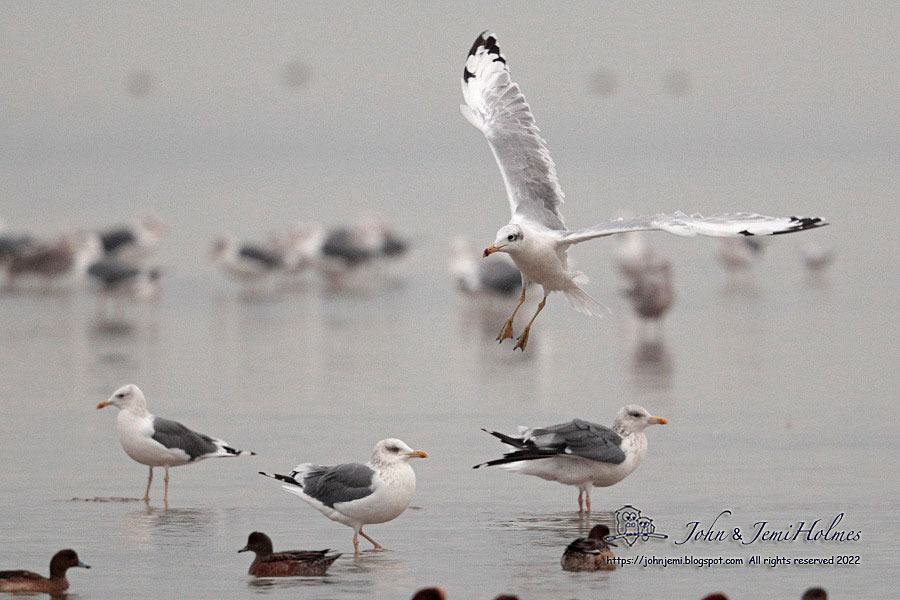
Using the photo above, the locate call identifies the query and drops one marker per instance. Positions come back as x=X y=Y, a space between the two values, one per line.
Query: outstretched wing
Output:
x=575 y=438
x=723 y=225
x=496 y=106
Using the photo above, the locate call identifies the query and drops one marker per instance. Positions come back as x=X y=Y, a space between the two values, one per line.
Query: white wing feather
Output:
x=723 y=225
x=496 y=106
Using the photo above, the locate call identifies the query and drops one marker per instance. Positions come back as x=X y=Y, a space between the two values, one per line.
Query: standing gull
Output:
x=580 y=453
x=358 y=494
x=496 y=277
x=158 y=442
x=536 y=237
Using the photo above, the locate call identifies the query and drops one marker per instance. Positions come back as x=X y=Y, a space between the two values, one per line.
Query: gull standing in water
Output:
x=580 y=453
x=358 y=494
x=158 y=442
x=536 y=237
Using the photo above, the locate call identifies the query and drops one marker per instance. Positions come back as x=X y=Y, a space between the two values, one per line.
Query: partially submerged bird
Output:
x=357 y=494
x=579 y=453
x=158 y=442
x=430 y=593
x=288 y=563
x=28 y=581
x=591 y=553
x=815 y=593
x=536 y=237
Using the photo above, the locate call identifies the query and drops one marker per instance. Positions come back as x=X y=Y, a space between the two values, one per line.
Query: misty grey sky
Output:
x=804 y=76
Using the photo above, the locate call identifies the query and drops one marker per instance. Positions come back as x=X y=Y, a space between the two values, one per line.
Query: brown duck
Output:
x=27 y=581
x=285 y=564
x=591 y=553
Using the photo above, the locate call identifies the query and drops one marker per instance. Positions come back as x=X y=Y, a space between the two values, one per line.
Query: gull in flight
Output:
x=536 y=238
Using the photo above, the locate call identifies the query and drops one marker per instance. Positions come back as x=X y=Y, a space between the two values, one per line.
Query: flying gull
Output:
x=28 y=581
x=288 y=563
x=536 y=237
x=358 y=494
x=580 y=453
x=158 y=442
x=591 y=553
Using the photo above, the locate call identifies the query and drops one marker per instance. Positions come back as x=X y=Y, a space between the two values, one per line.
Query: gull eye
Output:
x=393 y=449
x=120 y=395
x=511 y=237
x=636 y=415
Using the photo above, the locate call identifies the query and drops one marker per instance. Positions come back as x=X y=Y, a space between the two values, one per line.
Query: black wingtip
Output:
x=802 y=224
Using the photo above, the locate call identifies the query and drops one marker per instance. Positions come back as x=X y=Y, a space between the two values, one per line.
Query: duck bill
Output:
x=490 y=250
x=418 y=454
x=104 y=404
x=244 y=549
x=83 y=566
x=657 y=420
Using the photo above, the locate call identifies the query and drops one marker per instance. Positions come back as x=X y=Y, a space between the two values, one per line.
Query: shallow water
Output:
x=780 y=393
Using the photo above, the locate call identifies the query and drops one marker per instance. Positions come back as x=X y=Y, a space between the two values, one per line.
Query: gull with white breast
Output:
x=357 y=494
x=536 y=237
x=580 y=453
x=158 y=442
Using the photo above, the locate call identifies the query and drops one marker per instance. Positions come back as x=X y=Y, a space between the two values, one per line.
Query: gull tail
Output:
x=284 y=478
x=229 y=451
x=583 y=303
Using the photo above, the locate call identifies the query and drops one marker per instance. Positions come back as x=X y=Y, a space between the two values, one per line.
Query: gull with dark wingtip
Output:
x=536 y=238
x=579 y=453
x=158 y=442
x=357 y=494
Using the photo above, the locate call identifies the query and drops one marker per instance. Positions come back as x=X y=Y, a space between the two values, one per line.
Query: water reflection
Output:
x=171 y=527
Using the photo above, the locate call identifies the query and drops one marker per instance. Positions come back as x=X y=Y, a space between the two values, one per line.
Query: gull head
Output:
x=508 y=239
x=634 y=418
x=127 y=396
x=393 y=451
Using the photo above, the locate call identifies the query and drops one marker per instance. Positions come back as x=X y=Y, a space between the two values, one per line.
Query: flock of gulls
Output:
x=532 y=249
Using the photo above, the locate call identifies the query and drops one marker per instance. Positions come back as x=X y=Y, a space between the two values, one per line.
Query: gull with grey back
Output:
x=536 y=237
x=579 y=453
x=158 y=442
x=358 y=494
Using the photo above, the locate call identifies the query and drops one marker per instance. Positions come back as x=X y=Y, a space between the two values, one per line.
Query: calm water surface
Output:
x=780 y=399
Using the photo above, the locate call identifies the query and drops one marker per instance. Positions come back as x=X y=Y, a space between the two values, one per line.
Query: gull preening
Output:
x=357 y=494
x=158 y=442
x=579 y=453
x=536 y=236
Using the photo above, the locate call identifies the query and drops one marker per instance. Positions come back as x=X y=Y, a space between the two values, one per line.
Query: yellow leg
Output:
x=506 y=332
x=523 y=339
